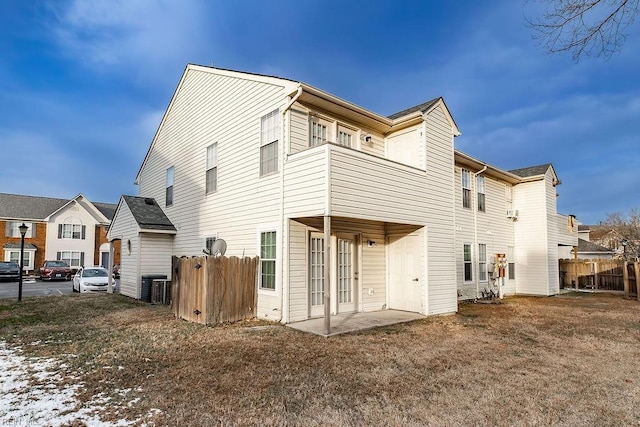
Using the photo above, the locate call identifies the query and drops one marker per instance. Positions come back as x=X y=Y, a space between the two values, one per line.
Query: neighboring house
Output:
x=590 y=250
x=70 y=230
x=309 y=182
x=620 y=243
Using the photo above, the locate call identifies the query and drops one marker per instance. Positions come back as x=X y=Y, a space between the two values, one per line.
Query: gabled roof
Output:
x=148 y=214
x=91 y=206
x=313 y=96
x=17 y=206
x=590 y=247
x=107 y=209
x=425 y=106
x=534 y=172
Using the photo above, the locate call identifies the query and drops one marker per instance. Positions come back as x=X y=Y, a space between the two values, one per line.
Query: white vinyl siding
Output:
x=157 y=258
x=125 y=228
x=212 y=168
x=269 y=134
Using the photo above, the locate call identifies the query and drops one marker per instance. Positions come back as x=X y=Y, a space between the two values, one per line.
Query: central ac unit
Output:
x=512 y=213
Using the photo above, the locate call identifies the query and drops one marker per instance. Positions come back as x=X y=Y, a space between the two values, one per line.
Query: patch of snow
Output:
x=32 y=393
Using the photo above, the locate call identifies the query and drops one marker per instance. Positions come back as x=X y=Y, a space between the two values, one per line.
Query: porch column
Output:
x=327 y=274
x=110 y=282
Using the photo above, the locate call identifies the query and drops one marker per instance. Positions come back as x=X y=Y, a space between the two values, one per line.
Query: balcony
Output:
x=339 y=181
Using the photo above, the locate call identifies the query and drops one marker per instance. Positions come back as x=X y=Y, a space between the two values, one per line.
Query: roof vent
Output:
x=149 y=201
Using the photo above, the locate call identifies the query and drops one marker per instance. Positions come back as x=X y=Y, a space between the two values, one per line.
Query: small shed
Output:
x=146 y=236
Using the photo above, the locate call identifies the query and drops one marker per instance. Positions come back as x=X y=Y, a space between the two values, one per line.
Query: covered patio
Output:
x=354 y=322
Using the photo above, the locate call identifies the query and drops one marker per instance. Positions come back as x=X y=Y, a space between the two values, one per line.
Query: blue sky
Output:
x=84 y=84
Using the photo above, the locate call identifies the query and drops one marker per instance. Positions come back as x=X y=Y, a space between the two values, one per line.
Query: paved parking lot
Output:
x=32 y=288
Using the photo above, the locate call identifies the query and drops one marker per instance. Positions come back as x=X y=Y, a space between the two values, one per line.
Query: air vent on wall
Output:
x=512 y=213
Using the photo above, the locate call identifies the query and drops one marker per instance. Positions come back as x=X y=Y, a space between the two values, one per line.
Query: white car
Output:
x=91 y=279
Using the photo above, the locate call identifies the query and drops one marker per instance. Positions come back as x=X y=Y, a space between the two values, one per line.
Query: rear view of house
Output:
x=341 y=204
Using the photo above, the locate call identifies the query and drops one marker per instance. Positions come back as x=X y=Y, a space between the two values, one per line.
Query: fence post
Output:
x=625 y=277
x=636 y=269
x=595 y=274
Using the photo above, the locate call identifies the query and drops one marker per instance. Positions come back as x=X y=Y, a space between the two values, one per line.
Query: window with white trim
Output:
x=319 y=133
x=511 y=263
x=13 y=255
x=269 y=135
x=13 y=229
x=212 y=168
x=482 y=262
x=466 y=188
x=73 y=258
x=481 y=193
x=467 y=263
x=168 y=195
x=72 y=231
x=268 y=260
x=344 y=138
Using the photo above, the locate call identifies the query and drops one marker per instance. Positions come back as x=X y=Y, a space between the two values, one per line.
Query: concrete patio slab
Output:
x=353 y=322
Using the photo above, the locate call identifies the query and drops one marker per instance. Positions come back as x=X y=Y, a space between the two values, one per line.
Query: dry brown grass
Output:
x=570 y=360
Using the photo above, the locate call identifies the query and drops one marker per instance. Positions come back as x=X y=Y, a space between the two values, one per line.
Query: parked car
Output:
x=91 y=279
x=59 y=270
x=9 y=270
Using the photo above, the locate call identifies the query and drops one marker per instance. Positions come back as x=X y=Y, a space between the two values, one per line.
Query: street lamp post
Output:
x=625 y=242
x=23 y=230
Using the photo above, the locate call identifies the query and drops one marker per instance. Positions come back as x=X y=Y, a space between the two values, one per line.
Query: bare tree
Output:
x=584 y=27
x=628 y=227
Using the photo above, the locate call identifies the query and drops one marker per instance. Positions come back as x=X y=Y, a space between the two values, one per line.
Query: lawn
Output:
x=567 y=360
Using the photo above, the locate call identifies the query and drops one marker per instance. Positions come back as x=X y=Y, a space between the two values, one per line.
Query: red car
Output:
x=58 y=270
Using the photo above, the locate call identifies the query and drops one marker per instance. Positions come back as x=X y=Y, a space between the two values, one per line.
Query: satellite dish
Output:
x=219 y=247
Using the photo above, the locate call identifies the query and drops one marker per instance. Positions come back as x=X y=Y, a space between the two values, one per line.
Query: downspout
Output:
x=475 y=222
x=284 y=298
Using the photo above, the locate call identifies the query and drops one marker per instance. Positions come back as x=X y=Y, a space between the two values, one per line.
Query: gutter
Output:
x=284 y=298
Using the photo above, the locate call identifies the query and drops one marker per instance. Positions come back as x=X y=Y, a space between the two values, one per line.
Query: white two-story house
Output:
x=336 y=200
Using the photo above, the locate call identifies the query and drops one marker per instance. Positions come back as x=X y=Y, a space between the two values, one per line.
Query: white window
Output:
x=511 y=263
x=344 y=138
x=13 y=255
x=168 y=195
x=318 y=133
x=481 y=193
x=268 y=260
x=13 y=229
x=72 y=231
x=212 y=168
x=317 y=270
x=269 y=134
x=73 y=258
x=467 y=263
x=466 y=188
x=482 y=262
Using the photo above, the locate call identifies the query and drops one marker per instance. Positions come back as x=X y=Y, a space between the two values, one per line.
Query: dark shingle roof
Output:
x=422 y=107
x=586 y=246
x=16 y=245
x=148 y=214
x=107 y=209
x=531 y=170
x=584 y=227
x=16 y=206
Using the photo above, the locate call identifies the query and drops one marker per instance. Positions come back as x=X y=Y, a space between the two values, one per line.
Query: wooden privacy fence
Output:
x=212 y=290
x=601 y=274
